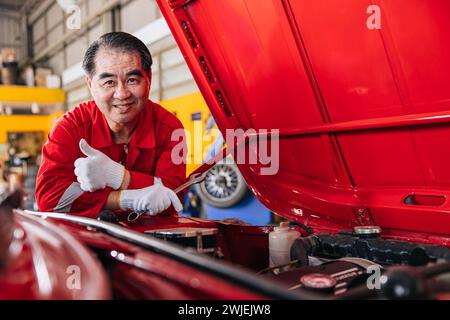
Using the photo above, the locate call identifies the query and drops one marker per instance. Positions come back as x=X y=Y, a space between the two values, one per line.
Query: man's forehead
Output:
x=117 y=62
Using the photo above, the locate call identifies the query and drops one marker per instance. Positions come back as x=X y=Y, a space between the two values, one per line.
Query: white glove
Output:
x=97 y=170
x=152 y=200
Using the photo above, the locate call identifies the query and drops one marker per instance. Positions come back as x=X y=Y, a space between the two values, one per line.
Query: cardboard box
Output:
x=40 y=81
x=9 y=55
x=43 y=71
x=41 y=76
x=28 y=76
x=53 y=81
x=9 y=75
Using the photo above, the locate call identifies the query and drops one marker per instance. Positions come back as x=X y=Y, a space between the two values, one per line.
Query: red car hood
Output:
x=359 y=93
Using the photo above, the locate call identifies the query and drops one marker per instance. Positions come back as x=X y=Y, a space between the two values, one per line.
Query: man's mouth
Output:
x=123 y=108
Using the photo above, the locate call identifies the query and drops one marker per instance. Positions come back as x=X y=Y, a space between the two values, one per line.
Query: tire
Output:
x=223 y=187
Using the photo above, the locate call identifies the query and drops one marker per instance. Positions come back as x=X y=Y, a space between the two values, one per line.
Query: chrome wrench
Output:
x=194 y=178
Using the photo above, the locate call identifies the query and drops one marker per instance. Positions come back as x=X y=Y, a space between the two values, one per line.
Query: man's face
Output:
x=119 y=86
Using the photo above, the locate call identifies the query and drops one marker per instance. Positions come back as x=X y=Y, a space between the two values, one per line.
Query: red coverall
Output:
x=148 y=156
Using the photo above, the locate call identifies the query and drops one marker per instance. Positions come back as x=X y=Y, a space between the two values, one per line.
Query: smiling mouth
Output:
x=122 y=108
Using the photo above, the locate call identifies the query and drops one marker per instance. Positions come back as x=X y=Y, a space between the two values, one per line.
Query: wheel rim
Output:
x=221 y=182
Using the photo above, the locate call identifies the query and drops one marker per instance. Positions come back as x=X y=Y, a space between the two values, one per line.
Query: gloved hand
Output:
x=152 y=200
x=97 y=170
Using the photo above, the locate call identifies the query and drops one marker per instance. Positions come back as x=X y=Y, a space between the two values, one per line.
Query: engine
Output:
x=354 y=264
x=361 y=264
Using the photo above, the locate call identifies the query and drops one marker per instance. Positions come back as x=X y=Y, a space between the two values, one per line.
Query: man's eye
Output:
x=132 y=80
x=109 y=83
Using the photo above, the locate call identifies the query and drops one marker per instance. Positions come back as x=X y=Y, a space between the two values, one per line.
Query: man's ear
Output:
x=88 y=81
x=149 y=74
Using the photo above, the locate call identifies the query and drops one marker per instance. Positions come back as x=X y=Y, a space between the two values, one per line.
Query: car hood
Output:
x=358 y=94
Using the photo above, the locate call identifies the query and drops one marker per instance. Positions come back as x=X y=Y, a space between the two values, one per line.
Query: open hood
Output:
x=359 y=93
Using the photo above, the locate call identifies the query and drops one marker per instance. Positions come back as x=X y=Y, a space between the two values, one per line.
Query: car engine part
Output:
x=368 y=246
x=204 y=240
x=330 y=278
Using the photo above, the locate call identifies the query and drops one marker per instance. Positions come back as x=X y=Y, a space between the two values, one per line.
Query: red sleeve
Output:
x=139 y=180
x=57 y=188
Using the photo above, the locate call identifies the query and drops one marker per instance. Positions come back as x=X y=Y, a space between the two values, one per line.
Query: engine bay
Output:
x=192 y=258
x=349 y=264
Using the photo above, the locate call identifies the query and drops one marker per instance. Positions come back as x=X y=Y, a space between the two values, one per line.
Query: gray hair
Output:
x=118 y=41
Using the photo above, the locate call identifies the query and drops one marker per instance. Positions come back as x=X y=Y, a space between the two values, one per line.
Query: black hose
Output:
x=304 y=227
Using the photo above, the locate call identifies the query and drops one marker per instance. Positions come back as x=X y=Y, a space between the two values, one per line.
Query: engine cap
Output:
x=318 y=281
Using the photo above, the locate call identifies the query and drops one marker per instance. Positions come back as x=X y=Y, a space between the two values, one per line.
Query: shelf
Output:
x=24 y=94
x=26 y=123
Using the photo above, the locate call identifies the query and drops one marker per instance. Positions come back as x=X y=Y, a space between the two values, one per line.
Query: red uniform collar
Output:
x=142 y=137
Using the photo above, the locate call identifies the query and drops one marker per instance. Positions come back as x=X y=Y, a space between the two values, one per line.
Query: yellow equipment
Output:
x=193 y=113
x=23 y=96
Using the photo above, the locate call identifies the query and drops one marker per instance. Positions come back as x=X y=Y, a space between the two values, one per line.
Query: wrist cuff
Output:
x=125 y=201
x=116 y=176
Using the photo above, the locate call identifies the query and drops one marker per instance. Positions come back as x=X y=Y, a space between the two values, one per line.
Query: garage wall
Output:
x=176 y=78
x=171 y=77
x=50 y=26
x=10 y=35
x=137 y=14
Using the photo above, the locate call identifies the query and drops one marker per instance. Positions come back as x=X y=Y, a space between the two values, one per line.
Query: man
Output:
x=113 y=152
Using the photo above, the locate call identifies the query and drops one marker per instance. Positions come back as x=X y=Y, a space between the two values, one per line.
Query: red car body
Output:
x=363 y=117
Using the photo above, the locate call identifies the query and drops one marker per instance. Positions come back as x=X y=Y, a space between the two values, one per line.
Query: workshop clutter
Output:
x=45 y=78
x=9 y=72
x=9 y=66
x=32 y=76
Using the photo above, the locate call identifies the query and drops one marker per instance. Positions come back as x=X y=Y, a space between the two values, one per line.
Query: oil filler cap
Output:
x=318 y=281
x=367 y=231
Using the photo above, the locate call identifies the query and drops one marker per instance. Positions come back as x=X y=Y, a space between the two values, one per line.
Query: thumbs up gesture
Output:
x=97 y=170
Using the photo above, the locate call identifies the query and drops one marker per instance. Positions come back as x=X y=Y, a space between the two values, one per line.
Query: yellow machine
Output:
x=26 y=123
x=22 y=136
x=194 y=114
x=32 y=128
x=23 y=94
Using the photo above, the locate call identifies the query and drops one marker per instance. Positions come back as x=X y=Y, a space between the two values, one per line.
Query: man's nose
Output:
x=121 y=92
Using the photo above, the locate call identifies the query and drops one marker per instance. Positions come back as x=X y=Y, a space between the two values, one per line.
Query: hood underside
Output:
x=359 y=94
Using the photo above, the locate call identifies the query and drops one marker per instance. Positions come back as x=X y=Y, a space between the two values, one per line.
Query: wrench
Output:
x=194 y=178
